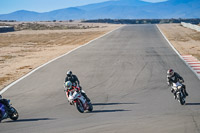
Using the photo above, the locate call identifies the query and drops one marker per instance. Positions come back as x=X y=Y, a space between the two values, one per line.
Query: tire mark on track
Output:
x=195 y=123
x=134 y=82
x=139 y=74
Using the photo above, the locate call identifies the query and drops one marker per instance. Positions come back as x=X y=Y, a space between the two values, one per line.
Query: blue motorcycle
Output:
x=8 y=113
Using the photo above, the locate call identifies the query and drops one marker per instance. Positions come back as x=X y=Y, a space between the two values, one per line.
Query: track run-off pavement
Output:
x=124 y=75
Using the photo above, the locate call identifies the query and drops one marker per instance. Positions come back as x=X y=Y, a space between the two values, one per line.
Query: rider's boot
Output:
x=184 y=89
x=174 y=95
x=87 y=99
x=172 y=91
x=185 y=92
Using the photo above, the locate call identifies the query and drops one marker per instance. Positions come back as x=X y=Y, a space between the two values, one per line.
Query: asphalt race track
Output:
x=124 y=74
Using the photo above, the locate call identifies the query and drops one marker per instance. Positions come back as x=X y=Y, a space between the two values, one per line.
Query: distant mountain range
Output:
x=115 y=9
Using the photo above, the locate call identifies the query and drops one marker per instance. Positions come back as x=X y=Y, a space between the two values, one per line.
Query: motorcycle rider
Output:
x=69 y=87
x=75 y=82
x=174 y=77
x=73 y=78
x=5 y=102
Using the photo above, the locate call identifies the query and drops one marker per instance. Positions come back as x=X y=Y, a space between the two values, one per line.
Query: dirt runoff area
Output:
x=185 y=40
x=22 y=51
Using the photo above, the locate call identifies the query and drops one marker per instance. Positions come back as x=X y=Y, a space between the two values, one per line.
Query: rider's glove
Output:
x=78 y=85
x=78 y=90
x=8 y=100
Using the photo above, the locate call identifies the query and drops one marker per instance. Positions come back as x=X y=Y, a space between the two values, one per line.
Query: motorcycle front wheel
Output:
x=79 y=107
x=14 y=115
x=181 y=99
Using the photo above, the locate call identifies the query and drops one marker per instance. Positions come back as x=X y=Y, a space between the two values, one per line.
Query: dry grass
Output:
x=51 y=39
x=18 y=26
x=22 y=51
x=4 y=79
x=185 y=40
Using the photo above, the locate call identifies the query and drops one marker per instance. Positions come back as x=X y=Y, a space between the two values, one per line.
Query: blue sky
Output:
x=8 y=6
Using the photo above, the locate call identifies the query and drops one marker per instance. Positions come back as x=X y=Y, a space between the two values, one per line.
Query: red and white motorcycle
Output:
x=78 y=100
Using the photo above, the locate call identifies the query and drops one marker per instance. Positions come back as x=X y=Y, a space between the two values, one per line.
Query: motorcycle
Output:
x=78 y=100
x=180 y=96
x=8 y=113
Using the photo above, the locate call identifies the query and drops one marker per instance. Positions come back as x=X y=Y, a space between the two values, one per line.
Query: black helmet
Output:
x=69 y=73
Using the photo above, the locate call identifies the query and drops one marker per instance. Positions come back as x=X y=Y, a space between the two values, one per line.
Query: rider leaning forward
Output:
x=174 y=77
x=75 y=83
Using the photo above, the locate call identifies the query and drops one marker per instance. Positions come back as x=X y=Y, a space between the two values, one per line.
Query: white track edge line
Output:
x=13 y=83
x=178 y=53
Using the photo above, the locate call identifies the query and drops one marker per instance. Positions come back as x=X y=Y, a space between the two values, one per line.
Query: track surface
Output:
x=124 y=74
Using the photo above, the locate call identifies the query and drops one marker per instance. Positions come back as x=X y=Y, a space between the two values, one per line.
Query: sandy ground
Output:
x=185 y=40
x=22 y=51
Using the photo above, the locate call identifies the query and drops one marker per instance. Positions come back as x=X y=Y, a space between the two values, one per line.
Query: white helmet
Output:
x=68 y=84
x=170 y=72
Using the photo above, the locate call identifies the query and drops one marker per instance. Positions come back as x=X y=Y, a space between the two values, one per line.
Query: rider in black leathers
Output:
x=73 y=78
x=174 y=77
x=5 y=102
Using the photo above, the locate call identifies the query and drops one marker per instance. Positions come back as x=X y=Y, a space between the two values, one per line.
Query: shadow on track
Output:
x=30 y=120
x=96 y=104
x=192 y=104
x=109 y=104
x=108 y=111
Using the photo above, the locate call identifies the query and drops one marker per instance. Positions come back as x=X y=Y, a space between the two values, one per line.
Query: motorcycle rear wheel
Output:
x=90 y=107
